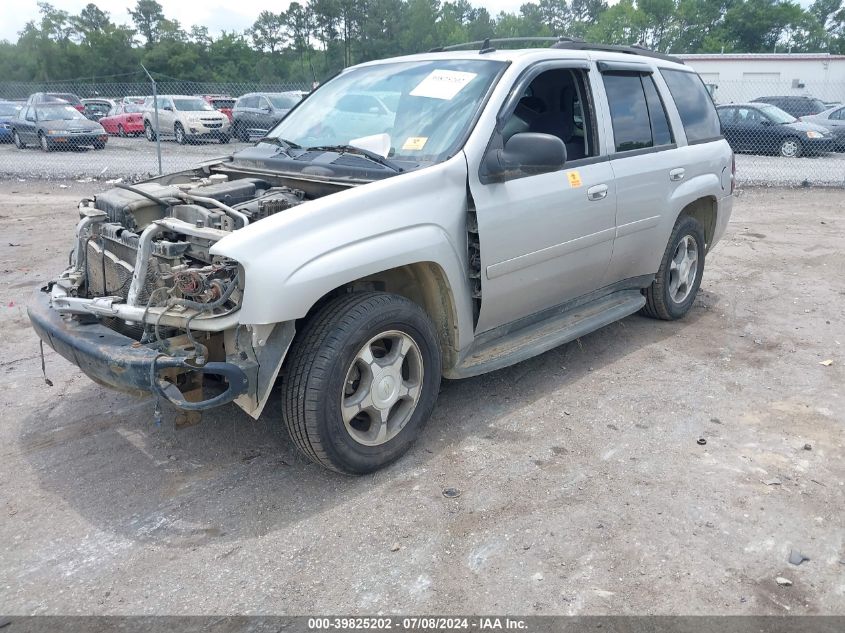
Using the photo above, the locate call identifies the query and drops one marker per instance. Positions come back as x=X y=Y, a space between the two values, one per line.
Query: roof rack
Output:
x=484 y=45
x=567 y=43
x=580 y=45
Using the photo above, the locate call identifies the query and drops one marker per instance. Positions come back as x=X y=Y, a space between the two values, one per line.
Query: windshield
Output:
x=132 y=107
x=9 y=109
x=777 y=115
x=424 y=107
x=223 y=103
x=284 y=102
x=192 y=105
x=58 y=113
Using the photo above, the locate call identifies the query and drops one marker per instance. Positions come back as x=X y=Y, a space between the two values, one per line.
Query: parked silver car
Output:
x=186 y=119
x=513 y=200
x=834 y=120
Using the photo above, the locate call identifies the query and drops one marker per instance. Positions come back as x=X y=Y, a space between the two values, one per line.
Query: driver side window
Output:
x=557 y=102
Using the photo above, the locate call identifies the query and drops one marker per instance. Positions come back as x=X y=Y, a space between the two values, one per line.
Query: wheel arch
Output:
x=705 y=210
x=423 y=282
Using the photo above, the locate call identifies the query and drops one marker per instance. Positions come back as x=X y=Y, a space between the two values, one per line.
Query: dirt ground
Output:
x=584 y=489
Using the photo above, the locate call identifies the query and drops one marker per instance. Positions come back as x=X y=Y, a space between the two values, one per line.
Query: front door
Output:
x=547 y=238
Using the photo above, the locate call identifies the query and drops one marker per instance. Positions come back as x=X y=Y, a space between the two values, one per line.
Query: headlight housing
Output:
x=814 y=134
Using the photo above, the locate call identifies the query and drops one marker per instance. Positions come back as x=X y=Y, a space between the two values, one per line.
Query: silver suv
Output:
x=185 y=119
x=513 y=200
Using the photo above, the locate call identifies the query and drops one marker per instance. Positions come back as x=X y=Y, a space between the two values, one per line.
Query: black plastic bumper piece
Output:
x=120 y=362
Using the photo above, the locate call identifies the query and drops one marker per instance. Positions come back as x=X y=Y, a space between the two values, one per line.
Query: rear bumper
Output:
x=122 y=363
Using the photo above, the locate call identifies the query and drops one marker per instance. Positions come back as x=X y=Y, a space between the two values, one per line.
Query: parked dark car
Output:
x=761 y=128
x=834 y=120
x=8 y=112
x=56 y=97
x=257 y=113
x=794 y=105
x=54 y=125
x=221 y=103
x=96 y=109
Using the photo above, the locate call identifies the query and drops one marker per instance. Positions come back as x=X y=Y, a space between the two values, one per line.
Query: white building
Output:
x=742 y=77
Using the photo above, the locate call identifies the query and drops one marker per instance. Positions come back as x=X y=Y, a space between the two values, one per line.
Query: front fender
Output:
x=294 y=258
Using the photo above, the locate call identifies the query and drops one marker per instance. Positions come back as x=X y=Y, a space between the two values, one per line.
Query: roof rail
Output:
x=484 y=45
x=580 y=45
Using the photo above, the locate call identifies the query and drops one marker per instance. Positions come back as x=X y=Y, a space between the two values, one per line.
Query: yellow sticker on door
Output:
x=574 y=179
x=414 y=143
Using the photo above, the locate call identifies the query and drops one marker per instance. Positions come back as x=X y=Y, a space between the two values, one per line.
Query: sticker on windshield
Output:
x=443 y=84
x=414 y=143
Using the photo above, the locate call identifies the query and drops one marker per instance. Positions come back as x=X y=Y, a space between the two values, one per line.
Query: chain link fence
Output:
x=773 y=149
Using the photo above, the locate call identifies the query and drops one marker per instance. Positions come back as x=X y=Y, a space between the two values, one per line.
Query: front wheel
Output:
x=673 y=290
x=361 y=381
x=45 y=144
x=17 y=140
x=148 y=132
x=790 y=148
x=179 y=133
x=224 y=138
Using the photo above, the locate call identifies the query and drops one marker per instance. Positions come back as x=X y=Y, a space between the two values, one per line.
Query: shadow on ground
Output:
x=231 y=477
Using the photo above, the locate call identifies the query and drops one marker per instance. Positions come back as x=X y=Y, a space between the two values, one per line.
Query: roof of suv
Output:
x=529 y=55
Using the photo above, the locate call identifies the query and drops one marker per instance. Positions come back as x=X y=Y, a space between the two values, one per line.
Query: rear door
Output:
x=645 y=163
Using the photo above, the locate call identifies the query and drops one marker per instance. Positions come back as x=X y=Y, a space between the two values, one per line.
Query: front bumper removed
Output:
x=120 y=362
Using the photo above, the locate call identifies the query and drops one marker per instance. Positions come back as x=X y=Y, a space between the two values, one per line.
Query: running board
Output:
x=520 y=344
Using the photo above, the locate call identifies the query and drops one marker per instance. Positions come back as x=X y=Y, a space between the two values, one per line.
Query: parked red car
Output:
x=222 y=103
x=124 y=120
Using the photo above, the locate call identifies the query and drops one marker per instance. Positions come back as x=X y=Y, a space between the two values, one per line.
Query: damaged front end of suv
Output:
x=145 y=306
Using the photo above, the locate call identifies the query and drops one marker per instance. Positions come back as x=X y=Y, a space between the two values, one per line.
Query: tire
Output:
x=45 y=144
x=148 y=132
x=120 y=131
x=179 y=133
x=668 y=298
x=224 y=138
x=99 y=145
x=790 y=148
x=16 y=139
x=320 y=376
x=241 y=133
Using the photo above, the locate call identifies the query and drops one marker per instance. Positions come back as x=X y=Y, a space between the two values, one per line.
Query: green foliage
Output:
x=315 y=38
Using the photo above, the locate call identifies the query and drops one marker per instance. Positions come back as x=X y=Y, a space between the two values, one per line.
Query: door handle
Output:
x=598 y=192
x=677 y=174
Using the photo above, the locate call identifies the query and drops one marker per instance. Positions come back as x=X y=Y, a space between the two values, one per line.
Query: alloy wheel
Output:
x=382 y=388
x=683 y=269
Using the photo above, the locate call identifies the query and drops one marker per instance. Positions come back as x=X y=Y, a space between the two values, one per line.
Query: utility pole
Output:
x=155 y=109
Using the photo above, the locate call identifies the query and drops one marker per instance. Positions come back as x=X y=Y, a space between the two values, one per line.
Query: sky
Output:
x=217 y=15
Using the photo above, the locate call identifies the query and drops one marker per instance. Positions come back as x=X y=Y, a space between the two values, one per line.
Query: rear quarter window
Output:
x=695 y=106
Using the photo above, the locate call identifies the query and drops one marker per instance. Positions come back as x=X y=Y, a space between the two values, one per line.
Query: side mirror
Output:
x=525 y=154
x=266 y=109
x=765 y=122
x=168 y=108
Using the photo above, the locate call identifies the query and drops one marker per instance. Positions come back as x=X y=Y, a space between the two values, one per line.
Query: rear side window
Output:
x=698 y=114
x=637 y=114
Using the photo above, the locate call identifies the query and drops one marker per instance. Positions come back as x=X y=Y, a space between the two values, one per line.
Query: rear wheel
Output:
x=242 y=133
x=120 y=131
x=361 y=381
x=225 y=138
x=790 y=148
x=45 y=144
x=148 y=131
x=16 y=139
x=673 y=290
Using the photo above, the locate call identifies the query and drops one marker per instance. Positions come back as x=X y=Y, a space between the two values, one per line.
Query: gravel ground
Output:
x=584 y=489
x=135 y=158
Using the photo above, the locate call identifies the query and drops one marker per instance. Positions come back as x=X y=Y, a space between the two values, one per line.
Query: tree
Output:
x=148 y=17
x=269 y=32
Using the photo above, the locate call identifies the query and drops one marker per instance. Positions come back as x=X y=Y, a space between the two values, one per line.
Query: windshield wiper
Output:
x=351 y=149
x=281 y=142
